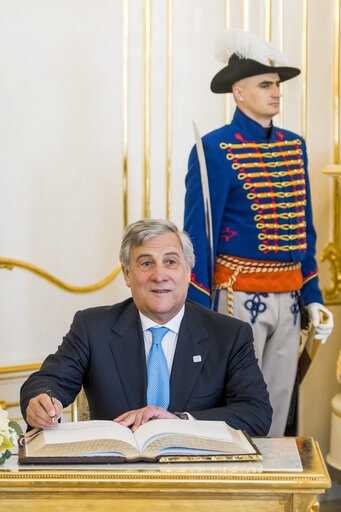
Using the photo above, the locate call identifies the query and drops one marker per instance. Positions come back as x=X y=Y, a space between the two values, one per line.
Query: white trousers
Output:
x=275 y=320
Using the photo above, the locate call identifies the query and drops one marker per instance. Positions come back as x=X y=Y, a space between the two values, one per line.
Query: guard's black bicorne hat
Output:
x=239 y=68
x=247 y=55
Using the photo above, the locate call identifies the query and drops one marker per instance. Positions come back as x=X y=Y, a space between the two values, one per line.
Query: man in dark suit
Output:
x=204 y=367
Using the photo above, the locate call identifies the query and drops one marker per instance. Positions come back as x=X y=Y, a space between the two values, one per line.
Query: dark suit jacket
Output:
x=104 y=352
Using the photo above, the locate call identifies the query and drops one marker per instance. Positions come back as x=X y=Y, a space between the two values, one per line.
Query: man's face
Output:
x=158 y=277
x=258 y=97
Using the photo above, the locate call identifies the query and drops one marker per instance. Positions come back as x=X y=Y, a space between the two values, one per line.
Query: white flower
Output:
x=3 y=421
x=8 y=436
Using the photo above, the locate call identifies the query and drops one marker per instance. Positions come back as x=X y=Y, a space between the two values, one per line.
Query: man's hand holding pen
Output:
x=43 y=411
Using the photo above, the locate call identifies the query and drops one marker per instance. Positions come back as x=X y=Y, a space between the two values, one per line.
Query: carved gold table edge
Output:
x=312 y=478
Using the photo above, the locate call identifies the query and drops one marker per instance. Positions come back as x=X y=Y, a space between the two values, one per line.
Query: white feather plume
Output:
x=248 y=46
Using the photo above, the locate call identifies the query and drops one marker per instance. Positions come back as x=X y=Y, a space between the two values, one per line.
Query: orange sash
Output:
x=257 y=276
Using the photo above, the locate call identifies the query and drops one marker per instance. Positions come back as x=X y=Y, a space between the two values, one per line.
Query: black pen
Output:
x=50 y=395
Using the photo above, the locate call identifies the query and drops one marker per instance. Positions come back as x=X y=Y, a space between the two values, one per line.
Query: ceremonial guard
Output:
x=261 y=239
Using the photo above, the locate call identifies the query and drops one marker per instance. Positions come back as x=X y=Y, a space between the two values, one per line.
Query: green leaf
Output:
x=15 y=427
x=4 y=456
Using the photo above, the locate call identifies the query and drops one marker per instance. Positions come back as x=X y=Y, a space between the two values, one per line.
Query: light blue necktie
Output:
x=157 y=368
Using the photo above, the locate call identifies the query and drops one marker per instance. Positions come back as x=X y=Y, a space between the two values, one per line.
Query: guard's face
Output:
x=259 y=97
x=158 y=277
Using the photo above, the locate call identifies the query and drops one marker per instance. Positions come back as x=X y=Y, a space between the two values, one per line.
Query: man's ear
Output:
x=125 y=271
x=238 y=93
x=189 y=275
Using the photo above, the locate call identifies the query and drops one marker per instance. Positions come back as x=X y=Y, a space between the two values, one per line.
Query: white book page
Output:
x=189 y=451
x=208 y=429
x=89 y=431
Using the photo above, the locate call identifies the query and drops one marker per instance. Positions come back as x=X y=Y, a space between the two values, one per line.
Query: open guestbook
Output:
x=158 y=440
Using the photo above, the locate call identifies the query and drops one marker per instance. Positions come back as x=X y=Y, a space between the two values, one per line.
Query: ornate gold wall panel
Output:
x=336 y=85
x=246 y=16
x=125 y=62
x=169 y=108
x=147 y=36
x=267 y=20
x=281 y=47
x=19 y=368
x=304 y=71
x=332 y=252
x=227 y=96
x=22 y=372
x=8 y=373
x=10 y=264
x=245 y=9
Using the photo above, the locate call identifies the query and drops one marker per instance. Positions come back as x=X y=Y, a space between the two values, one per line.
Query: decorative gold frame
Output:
x=304 y=68
x=147 y=36
x=125 y=74
x=267 y=33
x=227 y=96
x=245 y=14
x=338 y=368
x=23 y=371
x=268 y=20
x=281 y=47
x=332 y=252
x=5 y=375
x=11 y=263
x=169 y=138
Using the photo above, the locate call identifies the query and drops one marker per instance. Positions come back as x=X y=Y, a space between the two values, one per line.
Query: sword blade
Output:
x=207 y=205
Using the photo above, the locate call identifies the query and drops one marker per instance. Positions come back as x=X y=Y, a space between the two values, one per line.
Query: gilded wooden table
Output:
x=276 y=484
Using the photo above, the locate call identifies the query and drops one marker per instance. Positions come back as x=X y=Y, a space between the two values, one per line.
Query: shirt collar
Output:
x=173 y=324
x=250 y=129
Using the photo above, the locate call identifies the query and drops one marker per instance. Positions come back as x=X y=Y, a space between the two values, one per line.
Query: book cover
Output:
x=102 y=441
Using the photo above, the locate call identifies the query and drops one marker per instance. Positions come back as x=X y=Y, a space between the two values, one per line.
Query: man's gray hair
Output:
x=138 y=232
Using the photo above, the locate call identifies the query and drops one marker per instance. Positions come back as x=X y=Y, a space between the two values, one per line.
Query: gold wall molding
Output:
x=169 y=108
x=227 y=96
x=147 y=37
x=245 y=14
x=336 y=85
x=267 y=20
x=8 y=405
x=332 y=252
x=281 y=47
x=338 y=368
x=304 y=68
x=10 y=264
x=20 y=372
x=20 y=368
x=125 y=72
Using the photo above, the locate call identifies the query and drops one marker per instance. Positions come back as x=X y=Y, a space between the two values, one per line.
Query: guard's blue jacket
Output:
x=260 y=201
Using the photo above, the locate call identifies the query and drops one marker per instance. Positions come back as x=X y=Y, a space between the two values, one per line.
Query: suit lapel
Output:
x=127 y=347
x=190 y=354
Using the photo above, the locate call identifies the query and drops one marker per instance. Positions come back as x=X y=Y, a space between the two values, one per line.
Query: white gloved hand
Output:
x=322 y=320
